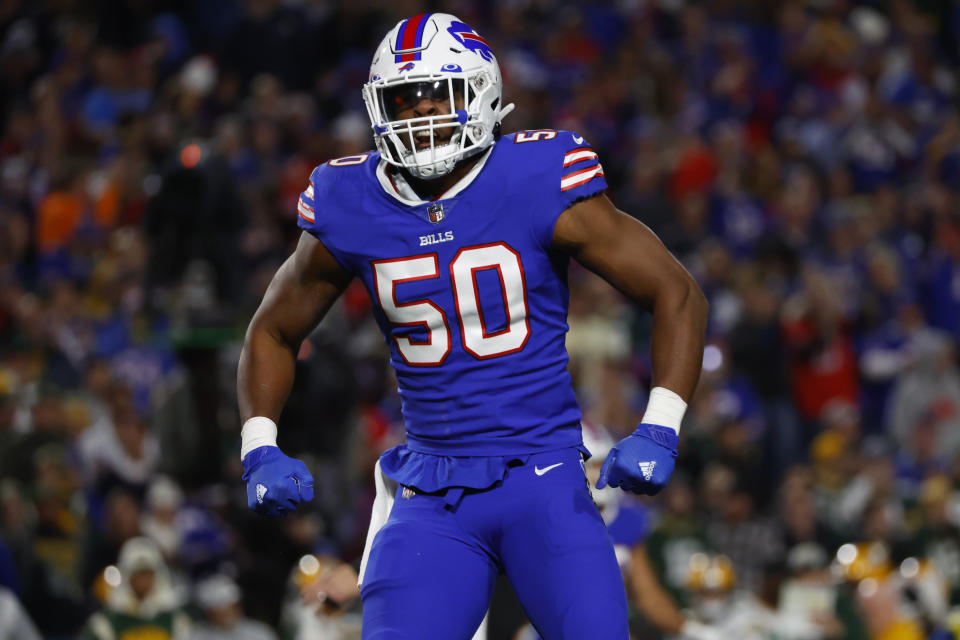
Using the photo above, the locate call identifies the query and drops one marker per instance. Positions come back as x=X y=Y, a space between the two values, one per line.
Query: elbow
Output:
x=698 y=303
x=262 y=332
x=686 y=301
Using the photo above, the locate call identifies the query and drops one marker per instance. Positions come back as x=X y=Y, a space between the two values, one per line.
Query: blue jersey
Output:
x=467 y=291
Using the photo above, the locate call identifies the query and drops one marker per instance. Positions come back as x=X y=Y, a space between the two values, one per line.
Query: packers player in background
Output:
x=462 y=236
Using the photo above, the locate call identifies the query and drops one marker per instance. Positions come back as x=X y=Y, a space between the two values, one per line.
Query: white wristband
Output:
x=257 y=432
x=665 y=408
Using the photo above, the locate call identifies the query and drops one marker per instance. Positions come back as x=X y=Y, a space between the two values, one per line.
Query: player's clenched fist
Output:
x=642 y=462
x=276 y=483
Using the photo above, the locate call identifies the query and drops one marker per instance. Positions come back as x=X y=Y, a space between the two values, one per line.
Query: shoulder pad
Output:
x=331 y=183
x=560 y=166
x=577 y=164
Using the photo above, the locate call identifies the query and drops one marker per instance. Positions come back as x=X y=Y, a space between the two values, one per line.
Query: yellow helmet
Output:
x=709 y=572
x=311 y=567
x=105 y=582
x=828 y=445
x=856 y=562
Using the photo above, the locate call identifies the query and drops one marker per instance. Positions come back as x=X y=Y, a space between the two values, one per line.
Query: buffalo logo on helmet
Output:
x=470 y=39
x=435 y=213
x=406 y=67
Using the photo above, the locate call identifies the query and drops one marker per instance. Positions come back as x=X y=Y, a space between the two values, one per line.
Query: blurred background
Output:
x=802 y=158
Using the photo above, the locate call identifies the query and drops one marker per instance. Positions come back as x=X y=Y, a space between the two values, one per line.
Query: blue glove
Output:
x=642 y=462
x=275 y=482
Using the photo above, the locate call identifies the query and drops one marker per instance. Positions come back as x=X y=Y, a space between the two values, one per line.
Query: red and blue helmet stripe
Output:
x=410 y=36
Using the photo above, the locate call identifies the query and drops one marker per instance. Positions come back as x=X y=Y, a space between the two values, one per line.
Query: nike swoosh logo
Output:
x=540 y=472
x=578 y=139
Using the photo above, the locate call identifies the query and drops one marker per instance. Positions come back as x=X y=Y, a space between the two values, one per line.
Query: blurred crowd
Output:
x=801 y=158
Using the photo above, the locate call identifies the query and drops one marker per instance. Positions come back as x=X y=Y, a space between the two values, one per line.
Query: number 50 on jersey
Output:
x=477 y=340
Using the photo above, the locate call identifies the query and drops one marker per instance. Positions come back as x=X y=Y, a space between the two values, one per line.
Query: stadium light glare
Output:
x=111 y=575
x=191 y=155
x=847 y=553
x=309 y=565
x=712 y=358
x=909 y=568
x=868 y=588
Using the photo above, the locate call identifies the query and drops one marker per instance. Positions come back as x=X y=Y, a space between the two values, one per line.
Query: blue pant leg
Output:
x=428 y=576
x=558 y=555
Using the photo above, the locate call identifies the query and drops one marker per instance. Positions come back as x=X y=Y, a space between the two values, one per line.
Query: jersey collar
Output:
x=396 y=186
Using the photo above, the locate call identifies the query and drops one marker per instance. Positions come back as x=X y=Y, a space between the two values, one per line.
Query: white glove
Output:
x=696 y=631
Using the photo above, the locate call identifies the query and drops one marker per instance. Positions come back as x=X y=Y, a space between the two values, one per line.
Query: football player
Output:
x=462 y=236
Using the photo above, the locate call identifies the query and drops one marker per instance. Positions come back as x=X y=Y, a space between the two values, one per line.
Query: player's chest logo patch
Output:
x=436 y=238
x=435 y=213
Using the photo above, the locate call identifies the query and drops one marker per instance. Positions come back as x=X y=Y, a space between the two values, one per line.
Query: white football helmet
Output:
x=437 y=57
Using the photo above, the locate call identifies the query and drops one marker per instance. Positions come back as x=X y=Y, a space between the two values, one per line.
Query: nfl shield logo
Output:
x=435 y=212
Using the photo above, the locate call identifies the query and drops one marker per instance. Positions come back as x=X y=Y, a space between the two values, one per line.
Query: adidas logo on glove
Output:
x=646 y=468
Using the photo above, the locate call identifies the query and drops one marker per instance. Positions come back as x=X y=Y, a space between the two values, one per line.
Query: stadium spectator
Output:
x=141 y=598
x=219 y=598
x=162 y=520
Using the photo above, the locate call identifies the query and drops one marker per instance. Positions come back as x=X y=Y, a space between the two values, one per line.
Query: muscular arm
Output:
x=301 y=293
x=625 y=253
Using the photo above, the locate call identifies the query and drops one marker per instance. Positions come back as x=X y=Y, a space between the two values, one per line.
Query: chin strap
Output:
x=505 y=111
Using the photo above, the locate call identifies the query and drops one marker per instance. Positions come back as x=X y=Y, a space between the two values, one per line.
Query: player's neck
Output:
x=431 y=189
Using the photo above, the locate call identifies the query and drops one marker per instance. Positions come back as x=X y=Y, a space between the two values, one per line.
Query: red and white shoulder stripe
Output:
x=305 y=205
x=575 y=176
x=579 y=155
